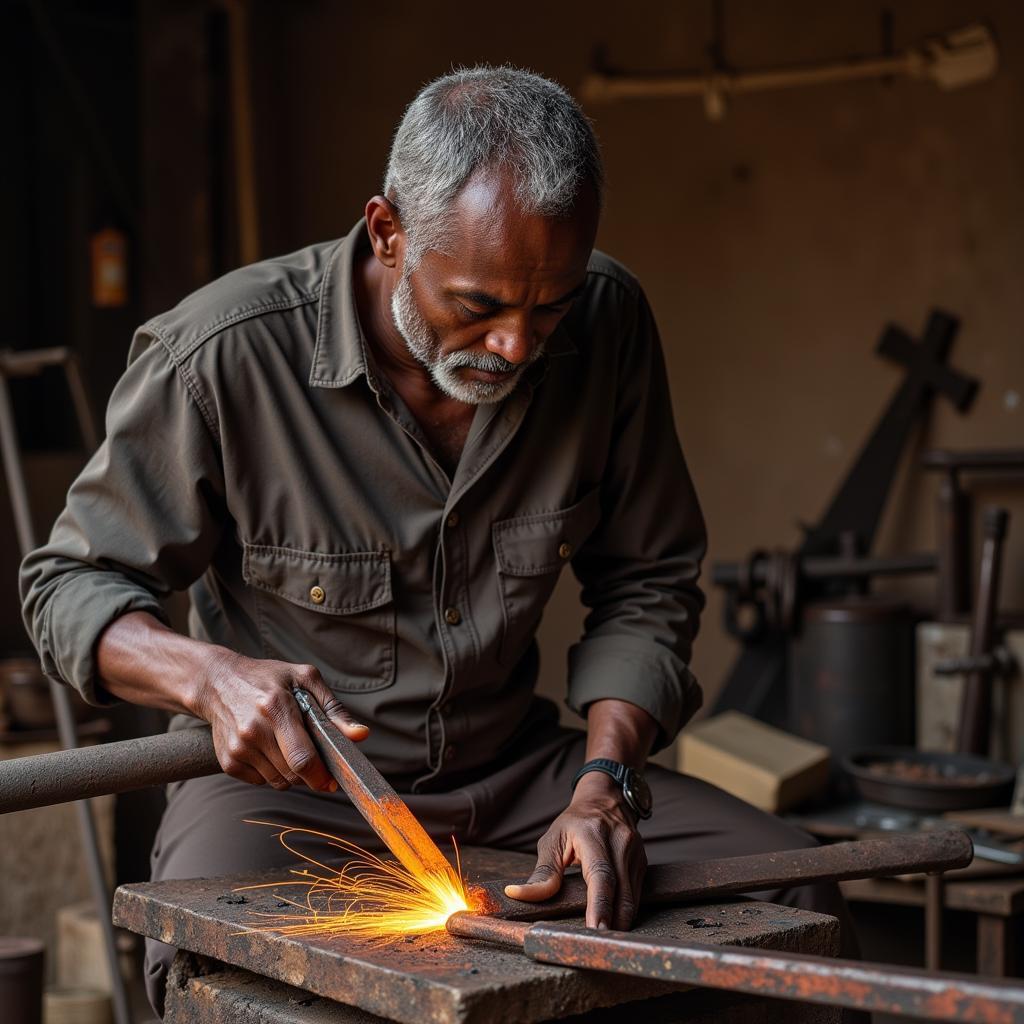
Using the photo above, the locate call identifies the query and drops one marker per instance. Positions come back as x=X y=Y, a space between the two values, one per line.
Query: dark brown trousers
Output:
x=203 y=832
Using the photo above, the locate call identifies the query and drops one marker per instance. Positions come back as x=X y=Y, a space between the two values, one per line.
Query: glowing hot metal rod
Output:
x=384 y=810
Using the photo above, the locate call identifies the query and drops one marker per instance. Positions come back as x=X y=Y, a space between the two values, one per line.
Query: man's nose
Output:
x=512 y=341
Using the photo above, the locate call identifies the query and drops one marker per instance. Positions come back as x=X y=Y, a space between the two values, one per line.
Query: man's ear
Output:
x=384 y=226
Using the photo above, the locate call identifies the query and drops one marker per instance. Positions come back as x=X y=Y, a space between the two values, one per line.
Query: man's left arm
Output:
x=629 y=674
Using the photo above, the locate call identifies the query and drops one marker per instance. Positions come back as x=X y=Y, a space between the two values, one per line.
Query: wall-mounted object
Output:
x=951 y=61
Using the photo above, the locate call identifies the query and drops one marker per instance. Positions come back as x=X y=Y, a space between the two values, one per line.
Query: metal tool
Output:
x=729 y=876
x=371 y=794
x=873 y=987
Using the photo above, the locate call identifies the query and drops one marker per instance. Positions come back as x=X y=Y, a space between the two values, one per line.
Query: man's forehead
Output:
x=491 y=238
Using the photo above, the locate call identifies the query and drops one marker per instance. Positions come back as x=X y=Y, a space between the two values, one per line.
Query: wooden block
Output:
x=76 y=1006
x=765 y=766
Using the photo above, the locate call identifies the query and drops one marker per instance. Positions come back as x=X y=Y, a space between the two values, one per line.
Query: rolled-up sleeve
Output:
x=639 y=569
x=141 y=520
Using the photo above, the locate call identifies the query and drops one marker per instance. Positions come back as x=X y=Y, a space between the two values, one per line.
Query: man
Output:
x=368 y=462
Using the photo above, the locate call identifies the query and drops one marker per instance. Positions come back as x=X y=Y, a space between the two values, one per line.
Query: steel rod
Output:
x=120 y=767
x=372 y=795
x=674 y=883
x=903 y=992
x=976 y=704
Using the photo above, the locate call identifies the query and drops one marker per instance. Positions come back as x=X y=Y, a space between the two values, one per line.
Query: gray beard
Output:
x=425 y=347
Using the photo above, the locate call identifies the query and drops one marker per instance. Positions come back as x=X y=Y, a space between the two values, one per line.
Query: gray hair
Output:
x=481 y=118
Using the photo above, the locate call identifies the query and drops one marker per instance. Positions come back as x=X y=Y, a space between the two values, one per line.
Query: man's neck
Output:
x=444 y=420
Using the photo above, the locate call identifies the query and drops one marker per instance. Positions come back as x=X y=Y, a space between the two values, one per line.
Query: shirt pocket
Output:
x=530 y=552
x=334 y=611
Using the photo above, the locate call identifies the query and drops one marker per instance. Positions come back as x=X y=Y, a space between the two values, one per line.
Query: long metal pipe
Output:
x=118 y=767
x=903 y=992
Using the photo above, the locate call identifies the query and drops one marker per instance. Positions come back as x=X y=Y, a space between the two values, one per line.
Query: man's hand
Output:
x=597 y=831
x=258 y=729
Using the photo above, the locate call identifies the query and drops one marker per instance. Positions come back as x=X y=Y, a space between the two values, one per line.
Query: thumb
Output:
x=335 y=710
x=545 y=881
x=342 y=718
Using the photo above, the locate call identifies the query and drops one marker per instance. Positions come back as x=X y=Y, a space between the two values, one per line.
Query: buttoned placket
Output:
x=492 y=431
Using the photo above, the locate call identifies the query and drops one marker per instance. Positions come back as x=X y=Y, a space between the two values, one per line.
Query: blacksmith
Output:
x=368 y=462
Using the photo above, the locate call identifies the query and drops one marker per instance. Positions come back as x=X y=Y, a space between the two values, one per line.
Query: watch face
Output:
x=638 y=793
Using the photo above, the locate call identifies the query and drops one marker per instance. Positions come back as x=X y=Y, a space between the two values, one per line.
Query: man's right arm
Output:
x=258 y=731
x=143 y=519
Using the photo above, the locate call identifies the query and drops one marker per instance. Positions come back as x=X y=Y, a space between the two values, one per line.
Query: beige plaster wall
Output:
x=774 y=245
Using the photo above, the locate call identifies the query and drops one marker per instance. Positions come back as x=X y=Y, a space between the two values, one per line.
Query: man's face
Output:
x=481 y=312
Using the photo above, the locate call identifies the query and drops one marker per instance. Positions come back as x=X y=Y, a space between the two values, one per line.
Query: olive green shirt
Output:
x=256 y=457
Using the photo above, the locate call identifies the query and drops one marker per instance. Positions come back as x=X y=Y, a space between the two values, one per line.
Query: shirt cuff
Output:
x=638 y=671
x=82 y=607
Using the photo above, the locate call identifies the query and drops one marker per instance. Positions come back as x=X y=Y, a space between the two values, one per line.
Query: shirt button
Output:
x=452 y=521
x=449 y=752
x=452 y=616
x=564 y=550
x=317 y=595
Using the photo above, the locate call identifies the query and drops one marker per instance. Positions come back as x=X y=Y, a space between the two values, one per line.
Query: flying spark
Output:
x=367 y=896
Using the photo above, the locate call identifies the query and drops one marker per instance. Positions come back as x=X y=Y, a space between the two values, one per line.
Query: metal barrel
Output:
x=120 y=767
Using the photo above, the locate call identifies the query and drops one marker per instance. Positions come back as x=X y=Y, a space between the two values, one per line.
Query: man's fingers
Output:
x=298 y=750
x=627 y=887
x=313 y=682
x=600 y=874
x=545 y=881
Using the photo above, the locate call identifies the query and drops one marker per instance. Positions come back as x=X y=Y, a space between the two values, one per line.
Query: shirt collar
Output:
x=340 y=354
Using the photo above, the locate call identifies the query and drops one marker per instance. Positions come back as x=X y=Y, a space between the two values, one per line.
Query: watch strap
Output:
x=615 y=769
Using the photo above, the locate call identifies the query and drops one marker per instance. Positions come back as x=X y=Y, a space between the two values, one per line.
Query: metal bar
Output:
x=673 y=883
x=933 y=904
x=903 y=992
x=119 y=767
x=976 y=705
x=66 y=730
x=372 y=795
x=954 y=534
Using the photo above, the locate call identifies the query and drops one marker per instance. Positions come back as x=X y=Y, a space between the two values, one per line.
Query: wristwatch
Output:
x=635 y=790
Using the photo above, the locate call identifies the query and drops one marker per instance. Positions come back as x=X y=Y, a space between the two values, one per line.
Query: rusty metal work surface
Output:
x=871 y=987
x=201 y=992
x=673 y=883
x=436 y=978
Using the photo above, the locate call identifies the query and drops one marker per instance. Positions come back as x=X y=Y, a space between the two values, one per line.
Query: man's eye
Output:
x=473 y=314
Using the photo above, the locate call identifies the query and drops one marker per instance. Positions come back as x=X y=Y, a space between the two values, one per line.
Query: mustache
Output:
x=488 y=362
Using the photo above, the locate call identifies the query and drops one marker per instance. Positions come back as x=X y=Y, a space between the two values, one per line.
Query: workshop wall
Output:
x=774 y=246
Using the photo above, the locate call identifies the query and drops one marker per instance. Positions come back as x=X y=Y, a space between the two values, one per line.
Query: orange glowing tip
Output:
x=367 y=896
